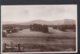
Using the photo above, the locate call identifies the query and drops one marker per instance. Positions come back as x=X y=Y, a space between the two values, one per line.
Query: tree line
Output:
x=39 y=27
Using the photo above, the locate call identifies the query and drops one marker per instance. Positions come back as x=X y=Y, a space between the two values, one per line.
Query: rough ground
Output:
x=32 y=41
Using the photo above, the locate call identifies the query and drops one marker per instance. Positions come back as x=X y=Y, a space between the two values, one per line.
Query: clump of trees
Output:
x=39 y=27
x=11 y=30
x=65 y=27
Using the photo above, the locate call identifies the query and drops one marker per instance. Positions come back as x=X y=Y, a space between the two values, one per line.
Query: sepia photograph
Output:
x=39 y=28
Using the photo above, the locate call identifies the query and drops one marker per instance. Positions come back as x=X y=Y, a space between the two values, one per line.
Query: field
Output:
x=32 y=41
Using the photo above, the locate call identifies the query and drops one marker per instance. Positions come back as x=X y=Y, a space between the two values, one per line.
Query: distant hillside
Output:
x=69 y=22
x=57 y=22
x=8 y=22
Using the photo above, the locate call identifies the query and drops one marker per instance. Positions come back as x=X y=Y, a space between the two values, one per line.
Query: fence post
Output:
x=19 y=47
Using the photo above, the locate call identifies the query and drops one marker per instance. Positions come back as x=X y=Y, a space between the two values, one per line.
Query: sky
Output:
x=26 y=13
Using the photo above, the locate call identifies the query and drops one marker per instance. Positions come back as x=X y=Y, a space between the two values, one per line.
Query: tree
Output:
x=45 y=28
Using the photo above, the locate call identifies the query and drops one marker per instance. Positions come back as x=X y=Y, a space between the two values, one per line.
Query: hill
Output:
x=57 y=22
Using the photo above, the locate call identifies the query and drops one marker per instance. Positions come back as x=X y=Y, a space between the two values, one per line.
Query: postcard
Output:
x=39 y=28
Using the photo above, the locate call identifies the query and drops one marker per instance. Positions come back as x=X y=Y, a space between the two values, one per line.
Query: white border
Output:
x=47 y=52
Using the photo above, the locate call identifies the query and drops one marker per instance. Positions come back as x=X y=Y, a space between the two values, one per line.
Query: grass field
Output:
x=32 y=41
